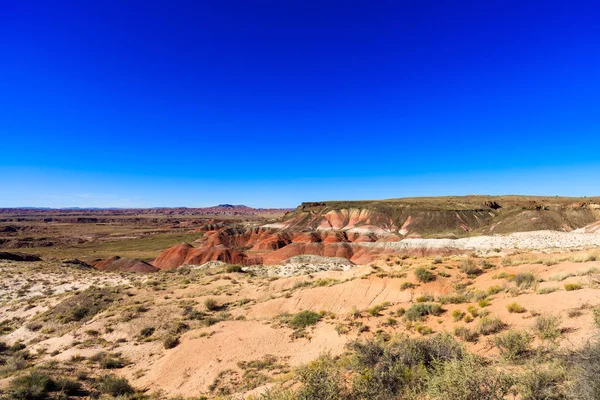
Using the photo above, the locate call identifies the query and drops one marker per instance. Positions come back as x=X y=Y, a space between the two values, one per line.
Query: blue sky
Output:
x=270 y=103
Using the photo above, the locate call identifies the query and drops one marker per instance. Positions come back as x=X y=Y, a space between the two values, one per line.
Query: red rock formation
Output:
x=259 y=245
x=185 y=253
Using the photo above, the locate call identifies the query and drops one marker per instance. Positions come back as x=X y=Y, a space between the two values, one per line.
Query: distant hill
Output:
x=453 y=216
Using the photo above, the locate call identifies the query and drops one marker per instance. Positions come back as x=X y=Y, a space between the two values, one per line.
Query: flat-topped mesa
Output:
x=457 y=216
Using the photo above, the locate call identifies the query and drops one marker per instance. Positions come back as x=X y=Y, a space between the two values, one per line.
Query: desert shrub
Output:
x=304 y=318
x=524 y=280
x=376 y=310
x=192 y=314
x=572 y=286
x=468 y=379
x=114 y=386
x=423 y=329
x=321 y=379
x=438 y=260
x=483 y=303
x=33 y=386
x=561 y=276
x=473 y=311
x=111 y=363
x=457 y=315
x=485 y=264
x=211 y=305
x=417 y=312
x=547 y=290
x=542 y=382
x=469 y=267
x=68 y=386
x=489 y=325
x=234 y=269
x=146 y=332
x=170 y=342
x=407 y=285
x=34 y=326
x=423 y=275
x=513 y=345
x=465 y=334
x=585 y=365
x=515 y=308
x=547 y=327
x=457 y=298
x=424 y=298
x=492 y=290
x=596 y=314
x=397 y=368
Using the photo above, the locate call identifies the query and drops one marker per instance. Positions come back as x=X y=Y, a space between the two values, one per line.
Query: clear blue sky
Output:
x=270 y=103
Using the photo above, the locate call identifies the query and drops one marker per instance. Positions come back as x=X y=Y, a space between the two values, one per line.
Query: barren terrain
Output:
x=190 y=321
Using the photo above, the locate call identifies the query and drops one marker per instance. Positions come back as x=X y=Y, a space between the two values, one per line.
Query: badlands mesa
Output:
x=474 y=297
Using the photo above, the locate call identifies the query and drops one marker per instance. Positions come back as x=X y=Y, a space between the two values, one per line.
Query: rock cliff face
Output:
x=358 y=231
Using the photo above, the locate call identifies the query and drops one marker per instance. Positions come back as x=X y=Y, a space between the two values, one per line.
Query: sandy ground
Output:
x=254 y=328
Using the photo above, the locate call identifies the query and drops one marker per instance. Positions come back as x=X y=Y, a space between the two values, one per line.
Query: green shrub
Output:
x=304 y=318
x=423 y=275
x=146 y=332
x=473 y=311
x=492 y=290
x=394 y=370
x=547 y=327
x=483 y=303
x=465 y=334
x=69 y=387
x=376 y=310
x=114 y=386
x=547 y=290
x=454 y=298
x=211 y=305
x=468 y=379
x=457 y=315
x=33 y=386
x=112 y=363
x=424 y=298
x=417 y=312
x=543 y=382
x=596 y=314
x=513 y=345
x=469 y=267
x=515 y=308
x=170 y=342
x=525 y=280
x=407 y=285
x=572 y=286
x=234 y=269
x=321 y=379
x=585 y=367
x=489 y=325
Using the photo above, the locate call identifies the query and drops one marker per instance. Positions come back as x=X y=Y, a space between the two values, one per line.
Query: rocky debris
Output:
x=302 y=265
x=19 y=257
x=119 y=264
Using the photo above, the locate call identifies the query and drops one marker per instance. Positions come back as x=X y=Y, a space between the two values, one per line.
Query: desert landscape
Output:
x=474 y=297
